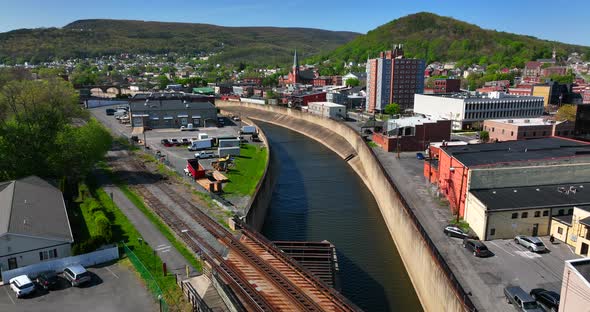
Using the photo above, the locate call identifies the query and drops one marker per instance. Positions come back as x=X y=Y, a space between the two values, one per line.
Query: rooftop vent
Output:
x=527 y=121
x=510 y=120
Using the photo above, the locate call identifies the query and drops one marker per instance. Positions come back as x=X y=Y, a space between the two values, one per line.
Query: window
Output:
x=566 y=132
x=560 y=212
x=492 y=231
x=534 y=133
x=524 y=215
x=511 y=133
x=515 y=215
x=545 y=213
x=47 y=254
x=524 y=134
x=537 y=214
x=570 y=211
x=544 y=133
x=559 y=230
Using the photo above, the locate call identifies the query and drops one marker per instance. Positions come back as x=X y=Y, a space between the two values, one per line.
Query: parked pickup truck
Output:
x=521 y=300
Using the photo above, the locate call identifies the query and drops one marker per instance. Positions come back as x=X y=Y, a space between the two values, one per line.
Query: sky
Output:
x=545 y=19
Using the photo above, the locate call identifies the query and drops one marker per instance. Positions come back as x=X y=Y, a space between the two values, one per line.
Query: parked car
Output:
x=546 y=299
x=236 y=118
x=532 y=243
x=185 y=141
x=22 y=285
x=478 y=248
x=110 y=111
x=453 y=231
x=204 y=154
x=521 y=300
x=47 y=280
x=175 y=142
x=77 y=275
x=166 y=142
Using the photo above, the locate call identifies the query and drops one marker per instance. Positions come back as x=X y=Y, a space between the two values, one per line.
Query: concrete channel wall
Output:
x=435 y=284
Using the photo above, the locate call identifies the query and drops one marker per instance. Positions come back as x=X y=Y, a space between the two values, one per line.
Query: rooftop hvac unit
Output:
x=510 y=120
x=527 y=121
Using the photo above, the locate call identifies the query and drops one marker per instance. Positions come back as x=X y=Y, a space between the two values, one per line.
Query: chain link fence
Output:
x=149 y=279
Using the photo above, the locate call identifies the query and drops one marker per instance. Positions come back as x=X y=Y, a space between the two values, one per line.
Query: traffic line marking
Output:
x=115 y=275
x=8 y=294
x=506 y=251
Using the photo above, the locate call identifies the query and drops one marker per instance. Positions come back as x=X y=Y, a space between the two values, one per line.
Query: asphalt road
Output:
x=113 y=288
x=485 y=278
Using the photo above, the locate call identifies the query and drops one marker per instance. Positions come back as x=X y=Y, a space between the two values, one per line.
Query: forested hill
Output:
x=90 y=38
x=437 y=38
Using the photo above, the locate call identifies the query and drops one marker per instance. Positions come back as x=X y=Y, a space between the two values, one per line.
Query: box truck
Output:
x=248 y=130
x=199 y=144
x=229 y=143
x=232 y=151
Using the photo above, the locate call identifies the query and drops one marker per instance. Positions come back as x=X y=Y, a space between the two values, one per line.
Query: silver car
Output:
x=532 y=243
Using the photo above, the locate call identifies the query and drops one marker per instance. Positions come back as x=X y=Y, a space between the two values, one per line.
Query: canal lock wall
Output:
x=435 y=284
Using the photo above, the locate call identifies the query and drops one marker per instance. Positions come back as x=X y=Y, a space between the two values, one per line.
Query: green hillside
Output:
x=437 y=38
x=90 y=38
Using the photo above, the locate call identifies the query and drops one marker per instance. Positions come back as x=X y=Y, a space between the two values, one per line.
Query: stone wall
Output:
x=437 y=288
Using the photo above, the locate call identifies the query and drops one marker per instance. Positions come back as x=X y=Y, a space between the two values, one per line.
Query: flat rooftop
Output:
x=582 y=266
x=327 y=104
x=531 y=197
x=518 y=151
x=526 y=121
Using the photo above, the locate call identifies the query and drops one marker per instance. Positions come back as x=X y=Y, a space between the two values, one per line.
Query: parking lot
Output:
x=113 y=288
x=484 y=278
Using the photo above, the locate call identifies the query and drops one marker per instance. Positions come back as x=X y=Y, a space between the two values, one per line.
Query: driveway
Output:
x=113 y=288
x=484 y=278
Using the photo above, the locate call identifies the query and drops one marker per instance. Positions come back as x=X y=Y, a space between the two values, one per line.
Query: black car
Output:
x=47 y=280
x=548 y=299
x=110 y=111
x=453 y=231
x=175 y=142
x=478 y=248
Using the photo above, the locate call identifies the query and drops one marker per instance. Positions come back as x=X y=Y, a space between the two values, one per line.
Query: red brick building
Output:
x=447 y=85
x=526 y=129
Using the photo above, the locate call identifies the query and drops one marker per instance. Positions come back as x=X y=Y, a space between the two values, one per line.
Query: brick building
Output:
x=412 y=134
x=447 y=85
x=393 y=78
x=527 y=128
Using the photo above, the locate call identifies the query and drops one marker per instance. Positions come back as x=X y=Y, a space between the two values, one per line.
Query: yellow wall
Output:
x=506 y=227
x=544 y=91
x=555 y=225
x=475 y=215
x=579 y=230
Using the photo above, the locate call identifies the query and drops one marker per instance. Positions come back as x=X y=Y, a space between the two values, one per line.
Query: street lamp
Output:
x=160 y=301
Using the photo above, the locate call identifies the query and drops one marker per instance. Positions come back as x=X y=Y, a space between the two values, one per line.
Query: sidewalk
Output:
x=175 y=262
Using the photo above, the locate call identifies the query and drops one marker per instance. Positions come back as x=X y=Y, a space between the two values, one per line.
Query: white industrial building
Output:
x=34 y=225
x=327 y=109
x=465 y=109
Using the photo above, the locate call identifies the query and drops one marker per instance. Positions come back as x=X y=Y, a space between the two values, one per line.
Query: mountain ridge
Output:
x=97 y=37
x=438 y=38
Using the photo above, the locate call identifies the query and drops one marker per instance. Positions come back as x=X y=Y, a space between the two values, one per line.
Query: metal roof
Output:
x=518 y=151
x=33 y=207
x=530 y=197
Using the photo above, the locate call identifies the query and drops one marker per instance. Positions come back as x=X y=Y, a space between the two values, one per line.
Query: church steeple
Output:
x=295 y=59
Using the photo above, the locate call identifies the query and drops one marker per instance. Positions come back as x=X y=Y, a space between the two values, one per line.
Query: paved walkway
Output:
x=484 y=278
x=175 y=262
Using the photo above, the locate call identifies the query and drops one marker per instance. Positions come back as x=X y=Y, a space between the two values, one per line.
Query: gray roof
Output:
x=169 y=105
x=530 y=197
x=33 y=207
x=518 y=151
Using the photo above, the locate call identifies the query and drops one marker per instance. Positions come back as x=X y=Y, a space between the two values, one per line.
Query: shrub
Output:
x=89 y=245
x=103 y=226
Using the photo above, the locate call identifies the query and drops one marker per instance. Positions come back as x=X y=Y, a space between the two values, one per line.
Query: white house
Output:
x=34 y=224
x=327 y=109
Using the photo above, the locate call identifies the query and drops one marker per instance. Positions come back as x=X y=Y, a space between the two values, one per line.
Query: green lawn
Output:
x=247 y=170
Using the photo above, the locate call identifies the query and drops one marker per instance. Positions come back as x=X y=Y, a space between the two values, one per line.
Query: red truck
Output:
x=194 y=169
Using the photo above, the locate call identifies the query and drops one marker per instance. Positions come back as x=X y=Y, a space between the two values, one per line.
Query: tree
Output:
x=392 y=109
x=352 y=82
x=163 y=81
x=484 y=136
x=567 y=112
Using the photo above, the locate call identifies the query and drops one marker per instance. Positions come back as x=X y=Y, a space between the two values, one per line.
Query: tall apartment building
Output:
x=392 y=78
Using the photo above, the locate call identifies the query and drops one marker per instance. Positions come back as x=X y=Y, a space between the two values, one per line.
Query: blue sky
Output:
x=545 y=19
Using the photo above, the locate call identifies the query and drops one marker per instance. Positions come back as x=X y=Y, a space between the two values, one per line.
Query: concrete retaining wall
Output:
x=437 y=288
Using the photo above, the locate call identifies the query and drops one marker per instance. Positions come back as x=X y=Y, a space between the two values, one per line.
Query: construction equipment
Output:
x=222 y=164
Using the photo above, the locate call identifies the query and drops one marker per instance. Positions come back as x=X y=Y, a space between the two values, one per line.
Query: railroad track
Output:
x=240 y=285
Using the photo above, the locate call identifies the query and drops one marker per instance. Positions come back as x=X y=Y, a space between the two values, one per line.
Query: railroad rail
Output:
x=235 y=278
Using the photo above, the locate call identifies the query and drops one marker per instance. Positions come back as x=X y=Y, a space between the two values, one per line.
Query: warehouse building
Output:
x=468 y=176
x=171 y=110
x=527 y=128
x=327 y=109
x=468 y=111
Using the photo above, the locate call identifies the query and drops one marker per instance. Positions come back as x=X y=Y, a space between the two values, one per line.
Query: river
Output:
x=317 y=196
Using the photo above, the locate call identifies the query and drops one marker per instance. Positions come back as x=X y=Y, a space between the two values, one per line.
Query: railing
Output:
x=149 y=279
x=194 y=299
